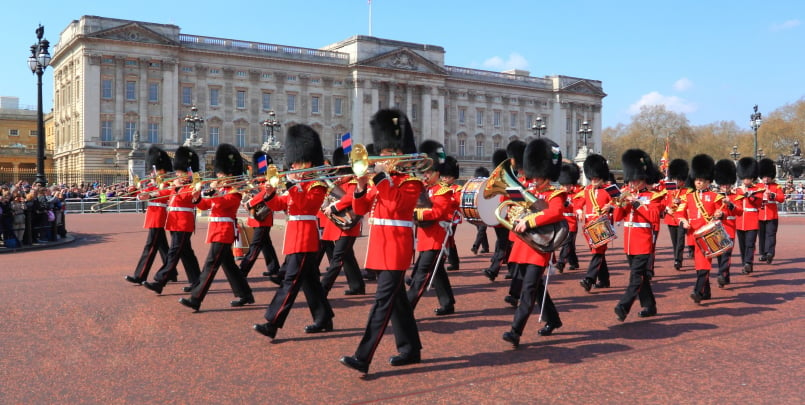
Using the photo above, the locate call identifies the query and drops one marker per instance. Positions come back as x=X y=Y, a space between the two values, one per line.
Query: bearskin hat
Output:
x=702 y=166
x=481 y=171
x=158 y=159
x=515 y=150
x=725 y=172
x=596 y=167
x=370 y=149
x=678 y=169
x=450 y=167
x=637 y=165
x=498 y=157
x=542 y=159
x=570 y=173
x=766 y=168
x=228 y=160
x=303 y=144
x=435 y=151
x=186 y=159
x=392 y=130
x=341 y=159
x=260 y=162
x=747 y=168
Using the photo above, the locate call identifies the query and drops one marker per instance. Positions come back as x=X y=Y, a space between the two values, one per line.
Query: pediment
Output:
x=403 y=59
x=133 y=32
x=583 y=87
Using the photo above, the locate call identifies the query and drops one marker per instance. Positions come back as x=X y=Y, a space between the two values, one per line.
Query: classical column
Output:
x=358 y=121
x=440 y=122
x=427 y=112
x=142 y=99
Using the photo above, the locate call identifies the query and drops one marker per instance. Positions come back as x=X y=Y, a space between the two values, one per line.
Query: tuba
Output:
x=344 y=219
x=545 y=238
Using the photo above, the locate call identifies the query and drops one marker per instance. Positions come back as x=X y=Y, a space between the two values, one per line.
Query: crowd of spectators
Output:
x=794 y=193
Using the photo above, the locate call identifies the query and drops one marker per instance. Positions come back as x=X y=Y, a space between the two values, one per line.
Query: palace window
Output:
x=153 y=92
x=128 y=130
x=240 y=99
x=291 y=103
x=338 y=105
x=214 y=97
x=187 y=95
x=153 y=132
x=240 y=137
x=266 y=101
x=131 y=90
x=215 y=133
x=314 y=104
x=106 y=131
x=106 y=89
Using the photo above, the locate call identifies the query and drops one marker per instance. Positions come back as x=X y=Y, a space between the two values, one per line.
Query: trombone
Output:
x=360 y=161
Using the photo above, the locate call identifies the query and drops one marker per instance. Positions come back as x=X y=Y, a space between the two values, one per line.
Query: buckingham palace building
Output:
x=121 y=85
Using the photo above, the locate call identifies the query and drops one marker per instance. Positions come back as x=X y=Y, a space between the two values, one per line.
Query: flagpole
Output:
x=370 y=18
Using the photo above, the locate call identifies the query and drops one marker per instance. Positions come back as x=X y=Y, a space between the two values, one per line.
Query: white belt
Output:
x=636 y=225
x=750 y=210
x=569 y=214
x=221 y=219
x=728 y=218
x=302 y=218
x=183 y=209
x=153 y=204
x=391 y=222
x=593 y=215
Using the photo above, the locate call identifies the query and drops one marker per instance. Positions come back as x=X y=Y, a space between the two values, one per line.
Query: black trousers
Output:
x=746 y=243
x=481 y=240
x=677 y=234
x=503 y=247
x=180 y=249
x=533 y=289
x=767 y=237
x=425 y=268
x=343 y=256
x=639 y=283
x=156 y=242
x=391 y=303
x=568 y=252
x=220 y=255
x=598 y=270
x=301 y=272
x=452 y=256
x=724 y=263
x=261 y=243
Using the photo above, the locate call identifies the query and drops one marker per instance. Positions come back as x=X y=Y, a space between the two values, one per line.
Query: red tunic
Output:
x=570 y=207
x=521 y=252
x=638 y=224
x=181 y=215
x=752 y=199
x=156 y=214
x=672 y=199
x=391 y=236
x=301 y=202
x=432 y=236
x=331 y=230
x=730 y=215
x=253 y=202
x=768 y=209
x=594 y=203
x=697 y=217
x=223 y=215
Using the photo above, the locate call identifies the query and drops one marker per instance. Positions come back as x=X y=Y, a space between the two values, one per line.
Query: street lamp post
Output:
x=195 y=122
x=760 y=154
x=735 y=154
x=585 y=131
x=38 y=62
x=270 y=124
x=755 y=119
x=539 y=127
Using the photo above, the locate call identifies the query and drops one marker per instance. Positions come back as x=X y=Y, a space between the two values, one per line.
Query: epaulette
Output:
x=353 y=181
x=410 y=178
x=719 y=197
x=318 y=183
x=557 y=192
x=659 y=194
x=442 y=190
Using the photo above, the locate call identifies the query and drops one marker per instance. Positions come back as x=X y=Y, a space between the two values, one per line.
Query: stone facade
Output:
x=115 y=77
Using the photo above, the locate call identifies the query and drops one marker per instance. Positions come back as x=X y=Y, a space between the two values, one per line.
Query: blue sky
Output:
x=710 y=59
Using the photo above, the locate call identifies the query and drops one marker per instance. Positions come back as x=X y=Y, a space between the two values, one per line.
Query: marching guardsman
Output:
x=700 y=207
x=596 y=202
x=155 y=216
x=748 y=223
x=390 y=249
x=450 y=173
x=640 y=212
x=514 y=152
x=481 y=239
x=302 y=199
x=542 y=163
x=502 y=241
x=569 y=181
x=768 y=217
x=432 y=234
x=344 y=239
x=675 y=193
x=181 y=223
x=261 y=219
x=223 y=202
x=726 y=177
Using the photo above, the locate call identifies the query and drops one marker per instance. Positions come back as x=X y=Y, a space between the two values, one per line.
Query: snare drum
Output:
x=475 y=208
x=713 y=239
x=599 y=232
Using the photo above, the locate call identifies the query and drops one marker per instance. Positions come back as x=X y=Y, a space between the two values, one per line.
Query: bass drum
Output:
x=475 y=208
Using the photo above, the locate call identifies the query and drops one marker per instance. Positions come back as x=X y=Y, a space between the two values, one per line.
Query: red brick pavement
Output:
x=73 y=331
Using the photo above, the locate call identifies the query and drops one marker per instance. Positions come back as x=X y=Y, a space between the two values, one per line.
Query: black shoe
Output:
x=134 y=280
x=678 y=265
x=353 y=363
x=601 y=285
x=573 y=267
x=511 y=300
x=268 y=274
x=190 y=303
x=696 y=297
x=706 y=296
x=242 y=301
x=187 y=288
x=404 y=359
x=763 y=258
x=275 y=278
x=747 y=268
x=370 y=276
x=586 y=283
x=173 y=277
x=722 y=281
x=319 y=328
x=560 y=267
x=155 y=287
x=548 y=329
x=484 y=251
x=769 y=258
x=452 y=268
x=508 y=276
x=620 y=313
x=266 y=329
x=490 y=274
x=647 y=312
x=474 y=250
x=355 y=292
x=444 y=310
x=512 y=338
